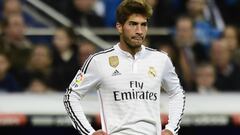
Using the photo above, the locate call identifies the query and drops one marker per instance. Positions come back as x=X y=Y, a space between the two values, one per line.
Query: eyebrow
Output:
x=134 y=22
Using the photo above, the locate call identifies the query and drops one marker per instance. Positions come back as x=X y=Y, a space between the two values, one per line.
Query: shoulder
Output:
x=150 y=49
x=156 y=53
x=101 y=54
x=96 y=57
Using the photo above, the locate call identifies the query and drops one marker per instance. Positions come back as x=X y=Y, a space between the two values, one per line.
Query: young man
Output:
x=128 y=78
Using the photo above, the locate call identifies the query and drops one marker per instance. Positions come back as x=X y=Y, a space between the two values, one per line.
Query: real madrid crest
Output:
x=113 y=61
x=152 y=72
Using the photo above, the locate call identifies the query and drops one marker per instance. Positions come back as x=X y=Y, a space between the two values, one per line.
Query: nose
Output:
x=139 y=29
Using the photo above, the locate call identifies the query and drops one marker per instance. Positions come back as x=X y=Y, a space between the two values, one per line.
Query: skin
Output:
x=61 y=41
x=205 y=76
x=85 y=49
x=100 y=132
x=195 y=8
x=84 y=5
x=185 y=32
x=15 y=29
x=231 y=36
x=166 y=132
x=12 y=7
x=132 y=35
x=40 y=58
x=4 y=66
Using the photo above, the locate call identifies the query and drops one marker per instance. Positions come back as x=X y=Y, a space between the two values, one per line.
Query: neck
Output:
x=66 y=55
x=128 y=48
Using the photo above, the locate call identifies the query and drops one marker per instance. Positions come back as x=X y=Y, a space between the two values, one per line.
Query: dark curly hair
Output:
x=129 y=7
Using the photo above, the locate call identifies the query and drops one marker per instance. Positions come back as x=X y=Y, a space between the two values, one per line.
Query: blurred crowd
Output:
x=204 y=43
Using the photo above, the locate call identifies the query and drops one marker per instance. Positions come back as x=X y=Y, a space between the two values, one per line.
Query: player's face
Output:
x=133 y=31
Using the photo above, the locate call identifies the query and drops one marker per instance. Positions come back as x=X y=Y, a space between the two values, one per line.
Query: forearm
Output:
x=176 y=109
x=76 y=114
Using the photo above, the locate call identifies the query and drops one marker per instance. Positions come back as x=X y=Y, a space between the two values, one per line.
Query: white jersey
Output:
x=129 y=92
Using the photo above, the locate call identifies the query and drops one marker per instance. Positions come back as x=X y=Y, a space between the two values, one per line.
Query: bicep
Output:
x=170 y=81
x=86 y=79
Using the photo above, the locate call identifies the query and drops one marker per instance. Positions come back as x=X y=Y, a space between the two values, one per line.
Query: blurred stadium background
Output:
x=44 y=42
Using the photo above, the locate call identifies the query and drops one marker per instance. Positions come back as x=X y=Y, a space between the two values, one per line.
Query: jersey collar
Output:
x=125 y=53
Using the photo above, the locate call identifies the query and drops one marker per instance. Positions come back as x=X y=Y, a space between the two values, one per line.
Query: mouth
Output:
x=138 y=38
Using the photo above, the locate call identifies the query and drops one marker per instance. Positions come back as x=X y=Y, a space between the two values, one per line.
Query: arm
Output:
x=171 y=85
x=86 y=79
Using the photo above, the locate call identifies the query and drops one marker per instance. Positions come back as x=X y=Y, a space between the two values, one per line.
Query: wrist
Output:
x=169 y=128
x=91 y=132
x=168 y=132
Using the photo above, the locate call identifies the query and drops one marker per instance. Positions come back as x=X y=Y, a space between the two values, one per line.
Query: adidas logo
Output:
x=116 y=72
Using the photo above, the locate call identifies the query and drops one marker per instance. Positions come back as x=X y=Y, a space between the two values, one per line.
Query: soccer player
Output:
x=128 y=78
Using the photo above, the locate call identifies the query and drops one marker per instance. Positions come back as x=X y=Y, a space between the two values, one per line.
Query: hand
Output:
x=99 y=132
x=166 y=132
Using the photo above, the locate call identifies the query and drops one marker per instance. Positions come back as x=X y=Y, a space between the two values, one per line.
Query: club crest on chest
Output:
x=152 y=72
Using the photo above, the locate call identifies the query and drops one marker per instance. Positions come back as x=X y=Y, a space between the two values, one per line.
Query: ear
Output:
x=119 y=27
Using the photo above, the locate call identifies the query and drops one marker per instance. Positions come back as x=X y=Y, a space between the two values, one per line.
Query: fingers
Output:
x=100 y=132
x=166 y=132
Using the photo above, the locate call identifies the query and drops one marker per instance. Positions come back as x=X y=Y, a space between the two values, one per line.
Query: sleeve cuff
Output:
x=91 y=132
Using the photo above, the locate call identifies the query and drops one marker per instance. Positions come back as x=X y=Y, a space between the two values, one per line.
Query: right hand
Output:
x=99 y=132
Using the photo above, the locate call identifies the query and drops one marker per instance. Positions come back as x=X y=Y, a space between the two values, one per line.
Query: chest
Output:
x=128 y=73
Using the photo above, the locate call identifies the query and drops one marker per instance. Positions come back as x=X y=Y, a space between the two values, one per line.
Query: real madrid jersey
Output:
x=129 y=92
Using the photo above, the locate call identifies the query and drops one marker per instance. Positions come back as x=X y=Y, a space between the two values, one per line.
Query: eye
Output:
x=144 y=24
x=132 y=23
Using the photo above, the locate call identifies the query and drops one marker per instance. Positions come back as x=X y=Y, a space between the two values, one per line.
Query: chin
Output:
x=136 y=45
x=133 y=44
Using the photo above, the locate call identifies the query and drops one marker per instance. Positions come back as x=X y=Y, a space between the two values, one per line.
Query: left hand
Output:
x=166 y=132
